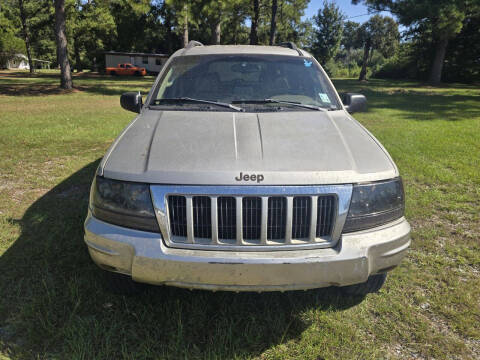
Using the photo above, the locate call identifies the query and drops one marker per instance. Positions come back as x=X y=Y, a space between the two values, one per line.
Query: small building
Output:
x=20 y=62
x=153 y=63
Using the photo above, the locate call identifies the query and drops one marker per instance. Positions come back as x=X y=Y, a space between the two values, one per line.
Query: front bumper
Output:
x=144 y=257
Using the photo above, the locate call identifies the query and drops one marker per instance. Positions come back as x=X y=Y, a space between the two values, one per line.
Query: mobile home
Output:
x=151 y=62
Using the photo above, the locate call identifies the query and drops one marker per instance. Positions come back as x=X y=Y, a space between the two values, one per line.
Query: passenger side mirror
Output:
x=131 y=101
x=354 y=102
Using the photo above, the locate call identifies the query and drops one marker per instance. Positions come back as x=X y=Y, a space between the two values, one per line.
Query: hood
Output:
x=227 y=148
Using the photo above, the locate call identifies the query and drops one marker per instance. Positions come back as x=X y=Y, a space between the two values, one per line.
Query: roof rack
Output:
x=291 y=45
x=193 y=43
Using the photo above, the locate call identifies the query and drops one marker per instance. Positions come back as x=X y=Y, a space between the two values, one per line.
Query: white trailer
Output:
x=152 y=62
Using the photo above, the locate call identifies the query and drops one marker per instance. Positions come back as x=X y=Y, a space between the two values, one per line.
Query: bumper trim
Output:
x=145 y=257
x=101 y=249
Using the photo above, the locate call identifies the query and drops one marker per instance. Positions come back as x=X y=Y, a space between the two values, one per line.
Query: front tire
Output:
x=372 y=285
x=113 y=73
x=122 y=284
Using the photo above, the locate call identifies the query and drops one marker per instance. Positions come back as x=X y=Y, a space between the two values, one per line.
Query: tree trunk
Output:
x=62 y=52
x=185 y=26
x=26 y=37
x=254 y=26
x=363 y=72
x=273 y=23
x=437 y=66
x=216 y=32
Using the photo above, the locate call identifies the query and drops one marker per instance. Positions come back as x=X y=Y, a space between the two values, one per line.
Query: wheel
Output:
x=122 y=284
x=113 y=73
x=137 y=73
x=372 y=285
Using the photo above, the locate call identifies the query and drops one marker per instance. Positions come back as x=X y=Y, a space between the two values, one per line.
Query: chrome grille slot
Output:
x=302 y=210
x=325 y=215
x=202 y=217
x=226 y=213
x=178 y=215
x=277 y=218
x=251 y=218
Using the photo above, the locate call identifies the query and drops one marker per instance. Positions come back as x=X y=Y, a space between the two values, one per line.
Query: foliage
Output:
x=379 y=33
x=92 y=27
x=442 y=20
x=328 y=31
x=10 y=44
x=95 y=26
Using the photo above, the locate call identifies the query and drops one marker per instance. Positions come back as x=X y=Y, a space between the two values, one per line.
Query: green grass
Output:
x=52 y=301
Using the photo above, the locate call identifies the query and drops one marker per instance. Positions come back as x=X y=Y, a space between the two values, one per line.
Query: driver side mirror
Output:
x=354 y=102
x=131 y=101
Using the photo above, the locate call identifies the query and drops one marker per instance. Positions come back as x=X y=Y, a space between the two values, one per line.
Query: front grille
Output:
x=202 y=217
x=227 y=218
x=302 y=210
x=252 y=217
x=251 y=220
x=277 y=218
x=178 y=215
x=325 y=215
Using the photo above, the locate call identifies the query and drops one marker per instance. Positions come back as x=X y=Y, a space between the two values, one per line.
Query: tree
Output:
x=328 y=32
x=289 y=25
x=378 y=33
x=349 y=35
x=181 y=11
x=92 y=28
x=254 y=23
x=235 y=31
x=62 y=52
x=26 y=34
x=444 y=18
x=273 y=22
x=10 y=44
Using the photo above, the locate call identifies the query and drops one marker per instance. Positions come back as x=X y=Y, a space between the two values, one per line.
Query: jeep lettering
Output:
x=253 y=177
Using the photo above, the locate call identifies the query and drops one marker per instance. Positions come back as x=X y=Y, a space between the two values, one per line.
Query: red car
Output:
x=126 y=69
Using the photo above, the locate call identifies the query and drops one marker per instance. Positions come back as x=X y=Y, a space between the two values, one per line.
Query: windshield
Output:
x=244 y=79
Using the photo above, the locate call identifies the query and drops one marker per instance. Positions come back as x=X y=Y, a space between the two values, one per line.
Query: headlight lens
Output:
x=375 y=204
x=123 y=203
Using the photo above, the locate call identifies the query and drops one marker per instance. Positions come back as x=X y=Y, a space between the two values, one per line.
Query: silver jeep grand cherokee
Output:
x=244 y=171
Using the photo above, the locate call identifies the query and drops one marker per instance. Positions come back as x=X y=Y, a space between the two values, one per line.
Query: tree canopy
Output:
x=440 y=38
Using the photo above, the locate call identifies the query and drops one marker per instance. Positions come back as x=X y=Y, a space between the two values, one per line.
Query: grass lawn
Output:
x=52 y=301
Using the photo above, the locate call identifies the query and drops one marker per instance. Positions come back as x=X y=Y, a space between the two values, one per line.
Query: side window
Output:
x=128 y=66
x=122 y=66
x=145 y=60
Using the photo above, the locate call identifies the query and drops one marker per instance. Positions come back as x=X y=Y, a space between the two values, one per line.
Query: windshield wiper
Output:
x=180 y=99
x=293 y=103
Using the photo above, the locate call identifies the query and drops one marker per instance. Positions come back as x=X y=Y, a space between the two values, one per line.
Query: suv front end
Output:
x=244 y=171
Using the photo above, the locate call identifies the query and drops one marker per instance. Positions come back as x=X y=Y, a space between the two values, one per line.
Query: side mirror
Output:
x=354 y=102
x=131 y=101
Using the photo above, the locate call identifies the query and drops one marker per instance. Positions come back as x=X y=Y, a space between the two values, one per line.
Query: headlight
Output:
x=123 y=203
x=375 y=204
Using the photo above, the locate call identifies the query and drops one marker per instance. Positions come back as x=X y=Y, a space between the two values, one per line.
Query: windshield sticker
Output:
x=307 y=63
x=324 y=98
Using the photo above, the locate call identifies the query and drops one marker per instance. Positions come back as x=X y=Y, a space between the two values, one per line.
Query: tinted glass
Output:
x=236 y=78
